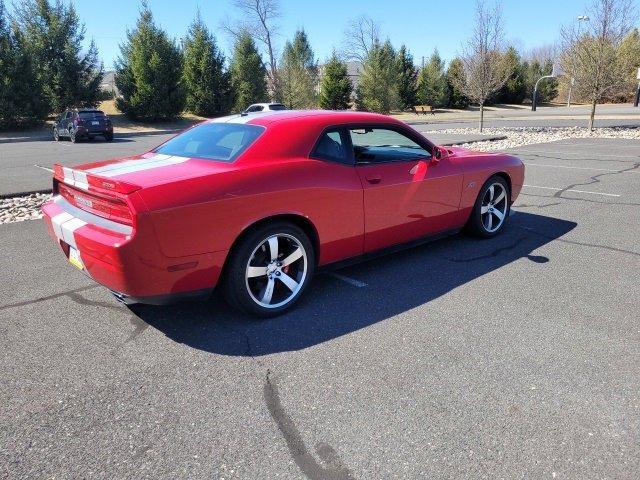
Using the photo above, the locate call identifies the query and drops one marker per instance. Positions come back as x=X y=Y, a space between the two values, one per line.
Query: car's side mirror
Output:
x=439 y=153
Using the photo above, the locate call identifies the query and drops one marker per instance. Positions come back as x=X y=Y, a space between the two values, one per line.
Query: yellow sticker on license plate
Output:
x=74 y=258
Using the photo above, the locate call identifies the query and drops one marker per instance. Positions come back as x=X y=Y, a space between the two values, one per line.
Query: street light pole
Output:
x=534 y=100
x=635 y=104
x=581 y=18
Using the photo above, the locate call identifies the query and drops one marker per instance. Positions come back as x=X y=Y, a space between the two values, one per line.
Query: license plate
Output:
x=74 y=258
x=95 y=123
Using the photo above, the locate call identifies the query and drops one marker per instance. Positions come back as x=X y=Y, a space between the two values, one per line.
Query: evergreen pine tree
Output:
x=248 y=75
x=455 y=71
x=53 y=35
x=148 y=73
x=378 y=87
x=407 y=87
x=205 y=82
x=335 y=86
x=298 y=73
x=432 y=83
x=514 y=90
x=21 y=100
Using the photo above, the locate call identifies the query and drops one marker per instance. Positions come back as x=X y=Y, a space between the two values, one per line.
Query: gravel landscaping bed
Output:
x=520 y=136
x=17 y=209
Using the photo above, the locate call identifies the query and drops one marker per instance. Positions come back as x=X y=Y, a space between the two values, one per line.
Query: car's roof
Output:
x=323 y=116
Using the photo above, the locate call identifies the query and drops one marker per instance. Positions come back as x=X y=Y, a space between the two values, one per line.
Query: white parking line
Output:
x=575 y=191
x=578 y=155
x=581 y=168
x=350 y=281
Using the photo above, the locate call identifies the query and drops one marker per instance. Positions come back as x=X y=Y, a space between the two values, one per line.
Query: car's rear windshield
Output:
x=277 y=106
x=223 y=142
x=91 y=114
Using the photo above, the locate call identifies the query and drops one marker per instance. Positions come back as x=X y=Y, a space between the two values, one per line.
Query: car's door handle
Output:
x=373 y=178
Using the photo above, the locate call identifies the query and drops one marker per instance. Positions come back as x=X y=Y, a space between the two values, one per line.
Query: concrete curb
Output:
x=23 y=194
x=492 y=138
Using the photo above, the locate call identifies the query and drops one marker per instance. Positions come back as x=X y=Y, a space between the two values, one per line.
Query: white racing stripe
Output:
x=57 y=222
x=64 y=224
x=132 y=166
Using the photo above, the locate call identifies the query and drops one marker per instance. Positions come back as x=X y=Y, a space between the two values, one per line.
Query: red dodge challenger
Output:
x=256 y=203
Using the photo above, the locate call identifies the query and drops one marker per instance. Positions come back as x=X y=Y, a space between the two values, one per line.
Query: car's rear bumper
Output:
x=89 y=131
x=167 y=299
x=127 y=260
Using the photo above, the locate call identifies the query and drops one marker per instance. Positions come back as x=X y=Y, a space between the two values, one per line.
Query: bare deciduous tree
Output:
x=482 y=64
x=361 y=35
x=259 y=19
x=592 y=55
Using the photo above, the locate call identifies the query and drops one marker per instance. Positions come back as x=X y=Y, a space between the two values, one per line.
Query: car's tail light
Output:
x=112 y=208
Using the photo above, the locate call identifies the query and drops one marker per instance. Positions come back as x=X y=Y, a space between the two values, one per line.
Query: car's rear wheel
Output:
x=269 y=269
x=108 y=137
x=491 y=210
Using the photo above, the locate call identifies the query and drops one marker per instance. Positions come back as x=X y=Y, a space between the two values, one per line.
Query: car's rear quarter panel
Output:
x=478 y=167
x=208 y=214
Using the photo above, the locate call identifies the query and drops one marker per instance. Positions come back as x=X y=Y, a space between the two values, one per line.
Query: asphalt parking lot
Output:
x=515 y=357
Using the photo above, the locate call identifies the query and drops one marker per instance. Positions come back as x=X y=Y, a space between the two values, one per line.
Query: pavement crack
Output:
x=333 y=469
x=595 y=179
x=599 y=202
x=583 y=244
x=532 y=205
x=48 y=297
x=491 y=254
x=80 y=300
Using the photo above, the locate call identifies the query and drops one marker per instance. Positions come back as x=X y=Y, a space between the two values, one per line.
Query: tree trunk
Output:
x=481 y=116
x=593 y=114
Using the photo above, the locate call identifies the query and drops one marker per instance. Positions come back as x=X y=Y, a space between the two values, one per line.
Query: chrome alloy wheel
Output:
x=494 y=207
x=276 y=270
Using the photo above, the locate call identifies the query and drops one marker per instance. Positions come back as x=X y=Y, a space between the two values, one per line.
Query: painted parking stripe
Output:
x=349 y=280
x=571 y=190
x=581 y=168
x=579 y=155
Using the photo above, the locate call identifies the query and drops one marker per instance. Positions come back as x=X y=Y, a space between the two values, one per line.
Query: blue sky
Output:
x=420 y=24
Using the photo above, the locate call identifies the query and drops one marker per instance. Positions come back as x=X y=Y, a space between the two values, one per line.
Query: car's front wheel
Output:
x=269 y=269
x=56 y=134
x=491 y=209
x=72 y=135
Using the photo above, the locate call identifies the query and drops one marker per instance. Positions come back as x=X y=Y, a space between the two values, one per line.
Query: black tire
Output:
x=56 y=134
x=480 y=223
x=72 y=135
x=109 y=137
x=236 y=284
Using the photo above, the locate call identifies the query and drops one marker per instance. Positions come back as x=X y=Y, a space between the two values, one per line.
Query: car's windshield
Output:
x=212 y=141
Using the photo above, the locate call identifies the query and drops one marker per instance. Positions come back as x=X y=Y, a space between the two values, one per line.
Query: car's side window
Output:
x=69 y=114
x=377 y=145
x=331 y=146
x=255 y=108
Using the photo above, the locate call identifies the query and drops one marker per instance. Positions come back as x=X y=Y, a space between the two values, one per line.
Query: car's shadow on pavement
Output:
x=332 y=307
